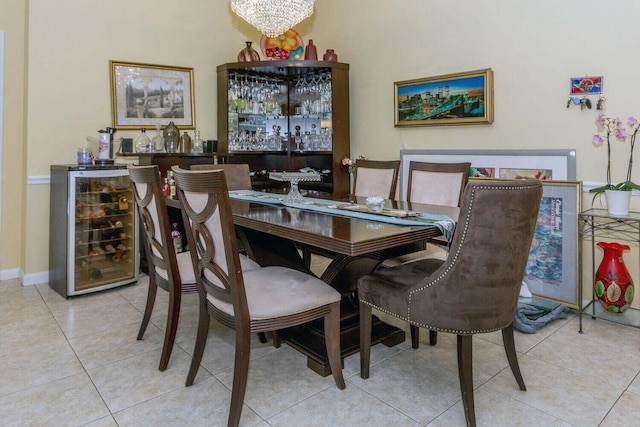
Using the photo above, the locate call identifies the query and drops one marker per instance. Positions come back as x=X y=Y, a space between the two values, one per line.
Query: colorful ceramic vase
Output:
x=613 y=283
x=248 y=54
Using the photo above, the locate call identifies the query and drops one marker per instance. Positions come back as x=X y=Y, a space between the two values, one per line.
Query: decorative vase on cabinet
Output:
x=248 y=54
x=613 y=284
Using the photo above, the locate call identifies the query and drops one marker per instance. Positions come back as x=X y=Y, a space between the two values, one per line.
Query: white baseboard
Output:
x=12 y=273
x=25 y=279
x=35 y=278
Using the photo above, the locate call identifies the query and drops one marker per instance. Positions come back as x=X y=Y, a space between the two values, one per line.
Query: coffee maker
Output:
x=105 y=147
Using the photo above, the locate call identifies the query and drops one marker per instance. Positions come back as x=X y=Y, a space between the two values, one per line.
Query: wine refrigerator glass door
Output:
x=103 y=231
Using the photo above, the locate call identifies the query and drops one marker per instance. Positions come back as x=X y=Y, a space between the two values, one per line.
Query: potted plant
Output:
x=620 y=192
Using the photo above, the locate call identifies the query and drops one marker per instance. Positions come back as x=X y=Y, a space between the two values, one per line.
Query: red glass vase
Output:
x=613 y=283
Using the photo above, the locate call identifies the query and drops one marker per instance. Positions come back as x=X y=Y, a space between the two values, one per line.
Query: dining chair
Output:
x=237 y=174
x=263 y=300
x=376 y=178
x=433 y=184
x=475 y=290
x=437 y=183
x=167 y=270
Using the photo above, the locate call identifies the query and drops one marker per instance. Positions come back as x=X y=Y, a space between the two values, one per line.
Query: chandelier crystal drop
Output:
x=273 y=17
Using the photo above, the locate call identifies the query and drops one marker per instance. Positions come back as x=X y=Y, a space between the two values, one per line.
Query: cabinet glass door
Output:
x=104 y=230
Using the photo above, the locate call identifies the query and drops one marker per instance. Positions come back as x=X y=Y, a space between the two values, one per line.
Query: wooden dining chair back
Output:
x=475 y=290
x=437 y=183
x=376 y=178
x=167 y=270
x=237 y=175
x=267 y=299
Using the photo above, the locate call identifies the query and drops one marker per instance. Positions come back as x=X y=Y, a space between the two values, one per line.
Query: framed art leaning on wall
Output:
x=453 y=99
x=553 y=269
x=145 y=94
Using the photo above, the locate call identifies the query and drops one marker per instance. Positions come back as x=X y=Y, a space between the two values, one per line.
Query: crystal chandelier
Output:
x=273 y=17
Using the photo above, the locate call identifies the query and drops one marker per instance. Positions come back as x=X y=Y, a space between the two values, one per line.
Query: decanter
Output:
x=196 y=142
x=143 y=143
x=158 y=140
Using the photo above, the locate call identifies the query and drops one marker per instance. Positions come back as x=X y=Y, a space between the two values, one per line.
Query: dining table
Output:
x=354 y=240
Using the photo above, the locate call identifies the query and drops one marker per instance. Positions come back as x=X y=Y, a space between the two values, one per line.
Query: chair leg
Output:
x=306 y=256
x=332 y=342
x=151 y=300
x=365 y=340
x=415 y=336
x=201 y=342
x=171 y=329
x=510 y=348
x=433 y=337
x=240 y=374
x=277 y=342
x=465 y=373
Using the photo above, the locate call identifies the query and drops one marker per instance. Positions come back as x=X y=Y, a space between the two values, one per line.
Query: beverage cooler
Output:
x=93 y=241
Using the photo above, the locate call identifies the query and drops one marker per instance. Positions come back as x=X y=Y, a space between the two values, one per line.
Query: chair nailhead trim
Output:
x=432 y=282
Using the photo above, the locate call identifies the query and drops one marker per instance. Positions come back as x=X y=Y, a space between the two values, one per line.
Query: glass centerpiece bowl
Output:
x=294 y=178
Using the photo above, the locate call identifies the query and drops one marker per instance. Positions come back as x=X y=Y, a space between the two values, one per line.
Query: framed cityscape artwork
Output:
x=452 y=99
x=145 y=94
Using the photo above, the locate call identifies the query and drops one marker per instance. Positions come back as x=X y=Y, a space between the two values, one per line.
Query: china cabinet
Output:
x=286 y=116
x=93 y=242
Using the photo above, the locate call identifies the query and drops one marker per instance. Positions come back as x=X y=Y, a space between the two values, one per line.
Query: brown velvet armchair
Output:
x=475 y=290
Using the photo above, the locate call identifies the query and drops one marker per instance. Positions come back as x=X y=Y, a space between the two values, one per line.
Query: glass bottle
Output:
x=171 y=137
x=166 y=190
x=176 y=237
x=185 y=142
x=172 y=184
x=196 y=143
x=143 y=143
x=158 y=140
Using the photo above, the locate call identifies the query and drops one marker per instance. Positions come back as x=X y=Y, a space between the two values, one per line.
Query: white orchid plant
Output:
x=614 y=128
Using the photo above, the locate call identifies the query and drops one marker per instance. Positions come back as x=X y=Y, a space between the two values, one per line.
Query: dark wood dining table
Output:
x=276 y=235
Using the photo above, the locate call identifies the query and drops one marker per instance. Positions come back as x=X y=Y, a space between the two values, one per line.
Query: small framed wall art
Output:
x=145 y=94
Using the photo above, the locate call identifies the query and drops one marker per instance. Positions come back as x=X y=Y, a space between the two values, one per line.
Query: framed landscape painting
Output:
x=145 y=94
x=452 y=99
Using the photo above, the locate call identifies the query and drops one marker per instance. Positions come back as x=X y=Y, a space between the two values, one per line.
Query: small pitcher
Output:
x=85 y=156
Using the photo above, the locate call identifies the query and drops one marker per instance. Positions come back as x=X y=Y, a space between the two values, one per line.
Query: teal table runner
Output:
x=445 y=224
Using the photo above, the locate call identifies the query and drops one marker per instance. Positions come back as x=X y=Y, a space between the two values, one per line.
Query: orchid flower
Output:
x=606 y=127
x=600 y=121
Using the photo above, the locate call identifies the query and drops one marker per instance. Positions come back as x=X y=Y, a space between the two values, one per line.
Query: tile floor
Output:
x=76 y=362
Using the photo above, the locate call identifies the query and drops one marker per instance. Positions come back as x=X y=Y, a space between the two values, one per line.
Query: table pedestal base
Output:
x=309 y=338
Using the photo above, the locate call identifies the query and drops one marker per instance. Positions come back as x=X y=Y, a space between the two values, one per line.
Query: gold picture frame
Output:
x=143 y=95
x=452 y=99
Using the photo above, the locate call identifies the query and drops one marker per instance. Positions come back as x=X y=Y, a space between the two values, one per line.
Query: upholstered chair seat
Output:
x=279 y=291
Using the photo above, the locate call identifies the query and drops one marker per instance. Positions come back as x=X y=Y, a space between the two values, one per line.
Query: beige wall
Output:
x=533 y=48
x=12 y=23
